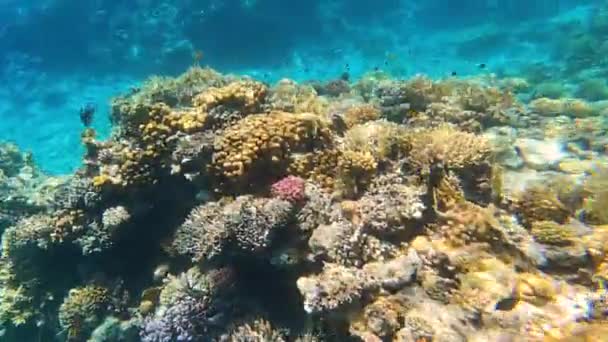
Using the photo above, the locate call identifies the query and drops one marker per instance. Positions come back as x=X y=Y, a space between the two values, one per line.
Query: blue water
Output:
x=57 y=55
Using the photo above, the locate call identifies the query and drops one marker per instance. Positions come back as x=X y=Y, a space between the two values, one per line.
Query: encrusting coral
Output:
x=225 y=209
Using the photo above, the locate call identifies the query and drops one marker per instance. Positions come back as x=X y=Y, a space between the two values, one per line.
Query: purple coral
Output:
x=290 y=188
x=185 y=320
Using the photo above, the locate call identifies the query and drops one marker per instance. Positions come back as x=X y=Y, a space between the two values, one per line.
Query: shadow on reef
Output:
x=225 y=209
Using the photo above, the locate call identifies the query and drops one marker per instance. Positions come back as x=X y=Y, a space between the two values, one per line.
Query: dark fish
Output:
x=454 y=73
x=482 y=66
x=376 y=68
x=87 y=113
x=506 y=304
x=347 y=67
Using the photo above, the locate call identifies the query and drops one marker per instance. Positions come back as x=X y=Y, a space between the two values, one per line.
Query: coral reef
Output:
x=224 y=209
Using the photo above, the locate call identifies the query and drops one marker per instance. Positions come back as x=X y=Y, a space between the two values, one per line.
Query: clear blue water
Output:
x=57 y=55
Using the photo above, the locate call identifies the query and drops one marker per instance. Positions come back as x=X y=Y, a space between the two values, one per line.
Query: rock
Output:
x=568 y=259
x=540 y=154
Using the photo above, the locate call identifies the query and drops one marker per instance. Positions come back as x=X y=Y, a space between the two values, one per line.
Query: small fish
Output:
x=454 y=73
x=376 y=68
x=87 y=113
x=506 y=304
x=347 y=67
x=345 y=76
x=197 y=55
x=482 y=66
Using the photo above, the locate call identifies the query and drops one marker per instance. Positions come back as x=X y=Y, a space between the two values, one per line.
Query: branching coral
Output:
x=361 y=114
x=291 y=97
x=390 y=205
x=552 y=233
x=355 y=171
x=191 y=307
x=83 y=309
x=383 y=139
x=447 y=145
x=336 y=287
x=259 y=330
x=232 y=102
x=538 y=203
x=180 y=91
x=203 y=234
x=290 y=188
x=248 y=222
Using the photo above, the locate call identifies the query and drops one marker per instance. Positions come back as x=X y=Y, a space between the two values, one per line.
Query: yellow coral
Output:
x=383 y=139
x=547 y=107
x=265 y=142
x=101 y=180
x=82 y=310
x=360 y=114
x=552 y=233
x=540 y=203
x=355 y=171
x=578 y=108
x=445 y=144
x=246 y=94
x=466 y=222
x=534 y=289
x=291 y=97
x=320 y=167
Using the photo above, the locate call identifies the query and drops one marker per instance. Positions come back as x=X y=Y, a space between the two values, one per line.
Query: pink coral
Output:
x=290 y=188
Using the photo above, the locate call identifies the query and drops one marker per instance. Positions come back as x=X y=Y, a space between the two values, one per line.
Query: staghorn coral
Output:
x=264 y=142
x=83 y=309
